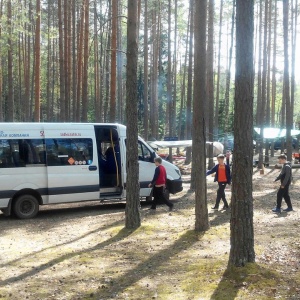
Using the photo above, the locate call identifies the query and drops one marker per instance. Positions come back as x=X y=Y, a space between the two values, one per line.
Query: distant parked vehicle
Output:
x=228 y=145
x=277 y=144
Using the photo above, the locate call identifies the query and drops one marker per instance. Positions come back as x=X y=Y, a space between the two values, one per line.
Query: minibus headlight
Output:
x=178 y=172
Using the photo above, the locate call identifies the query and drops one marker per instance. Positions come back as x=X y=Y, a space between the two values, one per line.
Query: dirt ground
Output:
x=82 y=251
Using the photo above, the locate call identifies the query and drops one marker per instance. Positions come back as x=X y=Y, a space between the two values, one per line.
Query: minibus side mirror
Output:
x=153 y=155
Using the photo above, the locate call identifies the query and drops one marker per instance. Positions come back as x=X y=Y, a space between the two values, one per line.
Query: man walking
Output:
x=159 y=184
x=285 y=178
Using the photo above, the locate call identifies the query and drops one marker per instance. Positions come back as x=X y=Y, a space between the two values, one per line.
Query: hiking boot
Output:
x=276 y=210
x=288 y=209
x=225 y=207
x=215 y=207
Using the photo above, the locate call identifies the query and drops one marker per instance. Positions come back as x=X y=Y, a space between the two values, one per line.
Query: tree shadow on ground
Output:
x=248 y=281
x=122 y=234
x=83 y=236
x=149 y=266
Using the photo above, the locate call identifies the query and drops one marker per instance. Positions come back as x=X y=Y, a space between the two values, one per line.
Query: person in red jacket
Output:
x=159 y=184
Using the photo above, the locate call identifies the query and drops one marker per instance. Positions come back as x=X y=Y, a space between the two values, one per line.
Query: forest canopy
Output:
x=66 y=61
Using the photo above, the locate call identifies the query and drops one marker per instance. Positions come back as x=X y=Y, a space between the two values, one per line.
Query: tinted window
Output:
x=68 y=152
x=19 y=153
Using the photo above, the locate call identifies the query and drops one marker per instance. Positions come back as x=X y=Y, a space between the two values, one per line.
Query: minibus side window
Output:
x=144 y=152
x=22 y=152
x=6 y=154
x=69 y=152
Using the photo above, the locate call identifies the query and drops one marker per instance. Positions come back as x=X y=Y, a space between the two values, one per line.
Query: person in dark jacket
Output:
x=159 y=184
x=285 y=178
x=223 y=177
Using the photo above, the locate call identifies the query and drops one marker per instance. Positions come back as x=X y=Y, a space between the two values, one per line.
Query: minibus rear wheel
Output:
x=26 y=207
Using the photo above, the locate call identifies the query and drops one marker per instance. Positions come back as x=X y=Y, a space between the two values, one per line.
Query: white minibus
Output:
x=48 y=163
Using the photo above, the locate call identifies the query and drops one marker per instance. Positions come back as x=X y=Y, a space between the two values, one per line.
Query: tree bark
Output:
x=273 y=92
x=154 y=78
x=190 y=87
x=62 y=85
x=85 y=98
x=210 y=81
x=264 y=78
x=1 y=83
x=199 y=156
x=133 y=218
x=120 y=101
x=169 y=110
x=10 y=95
x=37 y=62
x=216 y=122
x=113 y=63
x=146 y=81
x=74 y=59
x=241 y=224
x=79 y=64
x=96 y=67
x=293 y=64
x=67 y=57
x=228 y=71
x=260 y=108
x=286 y=75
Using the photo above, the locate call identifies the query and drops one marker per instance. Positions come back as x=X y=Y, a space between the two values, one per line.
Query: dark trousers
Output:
x=221 y=194
x=158 y=193
x=284 y=193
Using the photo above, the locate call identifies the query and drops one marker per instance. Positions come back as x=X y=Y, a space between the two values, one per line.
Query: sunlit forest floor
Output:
x=82 y=251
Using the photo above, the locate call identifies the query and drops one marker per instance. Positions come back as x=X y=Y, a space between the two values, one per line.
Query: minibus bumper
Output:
x=174 y=186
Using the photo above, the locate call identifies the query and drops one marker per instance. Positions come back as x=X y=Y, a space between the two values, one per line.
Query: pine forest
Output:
x=66 y=61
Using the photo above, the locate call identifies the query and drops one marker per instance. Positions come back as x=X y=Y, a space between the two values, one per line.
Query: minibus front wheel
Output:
x=26 y=207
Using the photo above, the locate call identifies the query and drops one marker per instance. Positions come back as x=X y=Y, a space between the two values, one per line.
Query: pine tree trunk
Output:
x=1 y=83
x=146 y=82
x=120 y=99
x=174 y=104
x=20 y=77
x=268 y=110
x=48 y=64
x=27 y=64
x=181 y=131
x=169 y=110
x=190 y=88
x=79 y=64
x=264 y=76
x=260 y=108
x=96 y=67
x=199 y=156
x=37 y=62
x=107 y=80
x=216 y=121
x=228 y=72
x=74 y=60
x=154 y=78
x=85 y=96
x=62 y=84
x=10 y=95
x=210 y=81
x=286 y=75
x=113 y=64
x=132 y=212
x=67 y=56
x=241 y=224
x=294 y=39
x=273 y=93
